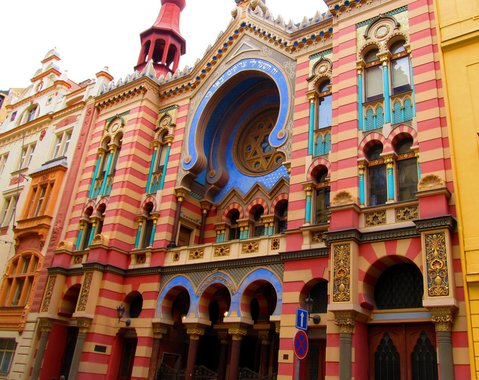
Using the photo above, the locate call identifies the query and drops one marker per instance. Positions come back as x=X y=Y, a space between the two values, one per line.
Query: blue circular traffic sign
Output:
x=301 y=344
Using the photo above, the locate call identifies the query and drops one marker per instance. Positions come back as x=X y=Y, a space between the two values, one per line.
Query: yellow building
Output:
x=458 y=31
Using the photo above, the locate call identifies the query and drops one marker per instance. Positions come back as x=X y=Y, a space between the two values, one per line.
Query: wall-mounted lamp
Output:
x=120 y=312
x=308 y=301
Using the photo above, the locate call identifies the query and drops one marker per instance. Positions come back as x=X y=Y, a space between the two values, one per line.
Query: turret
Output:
x=163 y=43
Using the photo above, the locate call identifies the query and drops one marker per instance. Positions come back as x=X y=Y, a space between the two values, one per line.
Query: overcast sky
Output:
x=91 y=34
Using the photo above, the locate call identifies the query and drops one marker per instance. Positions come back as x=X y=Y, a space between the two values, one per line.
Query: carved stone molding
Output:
x=237 y=332
x=436 y=264
x=45 y=325
x=48 y=293
x=341 y=273
x=85 y=290
x=345 y=320
x=375 y=218
x=159 y=330
x=443 y=317
x=83 y=323
x=405 y=214
x=195 y=332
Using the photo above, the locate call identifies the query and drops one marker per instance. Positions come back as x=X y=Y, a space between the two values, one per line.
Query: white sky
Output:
x=91 y=34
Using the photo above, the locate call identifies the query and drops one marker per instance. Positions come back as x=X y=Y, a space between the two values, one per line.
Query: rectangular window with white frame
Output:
x=8 y=209
x=3 y=161
x=26 y=156
x=62 y=143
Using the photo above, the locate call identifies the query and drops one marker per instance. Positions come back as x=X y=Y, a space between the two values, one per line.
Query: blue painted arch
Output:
x=182 y=282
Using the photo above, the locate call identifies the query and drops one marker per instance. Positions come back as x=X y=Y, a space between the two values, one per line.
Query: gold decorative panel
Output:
x=376 y=218
x=85 y=290
x=48 y=293
x=222 y=250
x=436 y=263
x=342 y=278
x=197 y=254
x=252 y=247
x=405 y=214
x=275 y=244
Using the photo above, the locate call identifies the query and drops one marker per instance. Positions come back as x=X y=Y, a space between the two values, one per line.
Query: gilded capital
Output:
x=443 y=317
x=345 y=320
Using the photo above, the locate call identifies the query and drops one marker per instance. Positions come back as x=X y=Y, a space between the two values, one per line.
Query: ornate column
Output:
x=360 y=68
x=345 y=320
x=443 y=318
x=220 y=232
x=80 y=235
x=153 y=228
x=138 y=232
x=108 y=168
x=265 y=343
x=205 y=208
x=244 y=228
x=159 y=331
x=223 y=336
x=83 y=326
x=237 y=334
x=45 y=328
x=195 y=333
x=308 y=189
x=362 y=185
x=312 y=118
x=169 y=141
x=268 y=225
x=180 y=197
x=391 y=191
x=95 y=173
x=384 y=57
x=156 y=147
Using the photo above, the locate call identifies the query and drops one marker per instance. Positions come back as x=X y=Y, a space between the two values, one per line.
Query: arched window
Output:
x=322 y=196
x=281 y=216
x=377 y=184
x=325 y=105
x=399 y=287
x=319 y=295
x=147 y=227
x=374 y=76
x=18 y=280
x=234 y=230
x=406 y=169
x=257 y=216
x=31 y=113
x=400 y=68
x=86 y=229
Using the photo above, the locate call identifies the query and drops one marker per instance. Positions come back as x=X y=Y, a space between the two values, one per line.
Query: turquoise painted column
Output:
x=309 y=189
x=360 y=100
x=153 y=232
x=138 y=234
x=419 y=172
x=390 y=178
x=362 y=188
x=107 y=171
x=165 y=166
x=271 y=229
x=312 y=112
x=387 y=94
x=152 y=167
x=95 y=174
x=92 y=233
x=80 y=237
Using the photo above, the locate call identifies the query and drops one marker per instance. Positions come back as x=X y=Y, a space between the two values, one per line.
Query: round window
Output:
x=254 y=154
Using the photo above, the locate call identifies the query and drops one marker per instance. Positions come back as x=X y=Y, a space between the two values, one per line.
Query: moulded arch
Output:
x=168 y=294
x=316 y=165
x=232 y=206
x=258 y=201
x=207 y=289
x=240 y=303
x=374 y=136
x=279 y=198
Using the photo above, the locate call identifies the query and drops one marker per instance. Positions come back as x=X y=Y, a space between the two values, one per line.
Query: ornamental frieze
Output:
x=48 y=294
x=85 y=290
x=341 y=271
x=436 y=264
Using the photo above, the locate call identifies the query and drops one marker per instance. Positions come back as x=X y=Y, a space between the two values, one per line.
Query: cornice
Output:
x=370 y=237
x=440 y=222
x=304 y=254
x=136 y=88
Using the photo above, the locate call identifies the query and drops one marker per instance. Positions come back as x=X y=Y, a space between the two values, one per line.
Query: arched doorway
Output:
x=401 y=348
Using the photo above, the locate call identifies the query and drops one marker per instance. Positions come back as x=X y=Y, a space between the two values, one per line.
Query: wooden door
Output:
x=402 y=352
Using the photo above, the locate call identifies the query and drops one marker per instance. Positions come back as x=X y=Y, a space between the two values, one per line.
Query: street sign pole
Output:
x=298 y=367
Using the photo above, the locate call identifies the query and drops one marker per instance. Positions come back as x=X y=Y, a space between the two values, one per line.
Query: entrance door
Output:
x=402 y=352
x=314 y=366
x=127 y=358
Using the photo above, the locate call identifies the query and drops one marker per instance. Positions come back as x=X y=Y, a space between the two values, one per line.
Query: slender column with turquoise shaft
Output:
x=95 y=174
x=271 y=229
x=419 y=173
x=80 y=237
x=360 y=100
x=152 y=167
x=107 y=172
x=362 y=189
x=387 y=94
x=138 y=234
x=390 y=179
x=312 y=111
x=165 y=166
x=266 y=229
x=153 y=232
x=307 y=218
x=92 y=233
